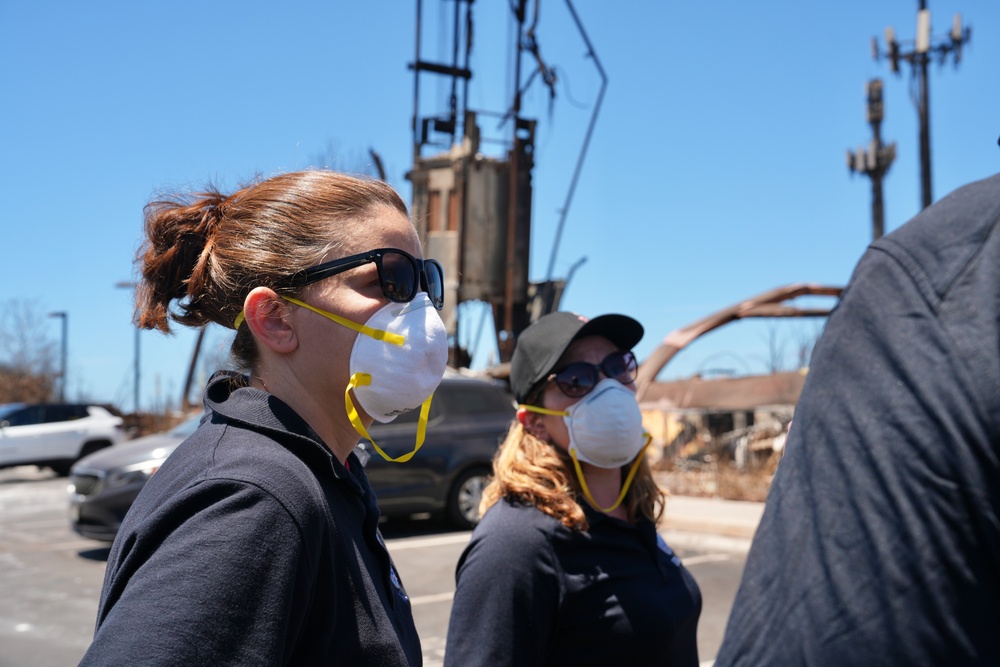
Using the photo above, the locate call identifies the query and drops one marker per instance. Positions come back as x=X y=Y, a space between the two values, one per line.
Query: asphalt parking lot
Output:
x=51 y=578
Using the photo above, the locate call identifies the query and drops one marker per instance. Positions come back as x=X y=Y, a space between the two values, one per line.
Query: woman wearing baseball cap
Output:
x=566 y=566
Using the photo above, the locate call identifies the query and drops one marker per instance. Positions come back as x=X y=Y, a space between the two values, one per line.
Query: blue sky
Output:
x=716 y=170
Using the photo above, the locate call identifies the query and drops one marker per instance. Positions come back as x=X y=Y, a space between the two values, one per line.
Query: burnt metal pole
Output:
x=919 y=56
x=416 y=90
x=874 y=161
x=591 y=53
x=506 y=345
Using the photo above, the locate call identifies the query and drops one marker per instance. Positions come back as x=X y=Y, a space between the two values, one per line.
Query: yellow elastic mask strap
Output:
x=377 y=334
x=625 y=486
x=363 y=379
x=543 y=411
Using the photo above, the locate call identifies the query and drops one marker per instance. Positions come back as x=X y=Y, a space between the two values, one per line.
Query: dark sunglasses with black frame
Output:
x=400 y=274
x=580 y=377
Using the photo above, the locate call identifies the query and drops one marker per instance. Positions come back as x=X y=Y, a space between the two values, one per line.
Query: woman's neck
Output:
x=331 y=425
x=605 y=484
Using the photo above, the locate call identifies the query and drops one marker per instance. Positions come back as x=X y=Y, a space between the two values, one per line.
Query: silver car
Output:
x=102 y=486
x=468 y=419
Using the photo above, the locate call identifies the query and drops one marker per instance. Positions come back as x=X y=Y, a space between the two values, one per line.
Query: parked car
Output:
x=55 y=435
x=103 y=485
x=468 y=419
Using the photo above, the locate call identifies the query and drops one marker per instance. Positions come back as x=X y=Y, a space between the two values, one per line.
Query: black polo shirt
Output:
x=880 y=540
x=532 y=592
x=253 y=545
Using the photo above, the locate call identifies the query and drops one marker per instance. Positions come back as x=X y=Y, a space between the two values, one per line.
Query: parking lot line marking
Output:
x=428 y=599
x=400 y=543
x=707 y=558
x=31 y=547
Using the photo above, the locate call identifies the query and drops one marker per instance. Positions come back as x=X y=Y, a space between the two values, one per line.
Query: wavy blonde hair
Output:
x=530 y=471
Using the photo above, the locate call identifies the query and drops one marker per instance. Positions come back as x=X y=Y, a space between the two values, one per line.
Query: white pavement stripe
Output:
x=32 y=524
x=45 y=548
x=400 y=543
x=429 y=599
x=706 y=558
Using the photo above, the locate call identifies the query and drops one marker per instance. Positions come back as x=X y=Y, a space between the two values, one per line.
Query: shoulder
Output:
x=519 y=541
x=948 y=239
x=513 y=549
x=224 y=470
x=520 y=524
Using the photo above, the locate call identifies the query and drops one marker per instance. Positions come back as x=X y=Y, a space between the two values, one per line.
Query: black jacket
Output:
x=253 y=545
x=533 y=592
x=880 y=541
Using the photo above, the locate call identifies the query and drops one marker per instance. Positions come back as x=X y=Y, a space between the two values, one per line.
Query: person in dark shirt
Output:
x=257 y=541
x=880 y=540
x=566 y=566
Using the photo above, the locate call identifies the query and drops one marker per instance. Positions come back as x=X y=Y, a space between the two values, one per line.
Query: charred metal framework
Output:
x=767 y=304
x=473 y=211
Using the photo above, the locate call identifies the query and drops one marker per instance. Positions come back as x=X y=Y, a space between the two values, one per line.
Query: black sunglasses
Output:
x=400 y=274
x=579 y=378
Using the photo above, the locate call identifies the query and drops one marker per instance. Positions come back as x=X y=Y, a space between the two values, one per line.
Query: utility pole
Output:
x=62 y=370
x=135 y=359
x=875 y=161
x=919 y=56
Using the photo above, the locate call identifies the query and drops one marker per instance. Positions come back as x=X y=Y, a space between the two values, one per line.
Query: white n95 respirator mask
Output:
x=403 y=376
x=605 y=426
x=397 y=361
x=605 y=430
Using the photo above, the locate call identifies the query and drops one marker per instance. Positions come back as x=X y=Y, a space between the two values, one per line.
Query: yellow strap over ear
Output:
x=543 y=411
x=625 y=485
x=364 y=379
x=377 y=334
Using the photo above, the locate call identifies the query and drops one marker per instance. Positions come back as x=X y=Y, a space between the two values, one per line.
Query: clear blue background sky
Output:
x=716 y=170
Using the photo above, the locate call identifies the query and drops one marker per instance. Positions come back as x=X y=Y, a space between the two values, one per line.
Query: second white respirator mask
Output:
x=402 y=377
x=605 y=427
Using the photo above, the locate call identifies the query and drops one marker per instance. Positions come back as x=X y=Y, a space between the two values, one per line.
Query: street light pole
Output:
x=62 y=371
x=135 y=381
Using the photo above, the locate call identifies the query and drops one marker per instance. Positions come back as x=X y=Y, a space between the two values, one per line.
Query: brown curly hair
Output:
x=530 y=471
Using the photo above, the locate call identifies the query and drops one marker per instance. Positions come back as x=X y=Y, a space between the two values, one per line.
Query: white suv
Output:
x=55 y=435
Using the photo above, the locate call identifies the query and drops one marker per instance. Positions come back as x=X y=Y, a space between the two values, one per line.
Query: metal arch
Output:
x=766 y=304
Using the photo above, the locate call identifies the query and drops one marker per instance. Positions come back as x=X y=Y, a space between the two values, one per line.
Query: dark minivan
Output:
x=469 y=417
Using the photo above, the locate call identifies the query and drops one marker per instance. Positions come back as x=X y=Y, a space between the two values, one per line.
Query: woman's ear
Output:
x=265 y=314
x=533 y=423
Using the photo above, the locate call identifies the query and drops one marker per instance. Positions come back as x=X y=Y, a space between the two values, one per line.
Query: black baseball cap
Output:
x=541 y=345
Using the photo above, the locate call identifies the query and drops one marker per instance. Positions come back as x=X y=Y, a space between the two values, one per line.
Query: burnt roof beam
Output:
x=437 y=68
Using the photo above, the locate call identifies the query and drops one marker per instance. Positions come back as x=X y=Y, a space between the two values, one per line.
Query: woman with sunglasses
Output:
x=257 y=541
x=566 y=566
